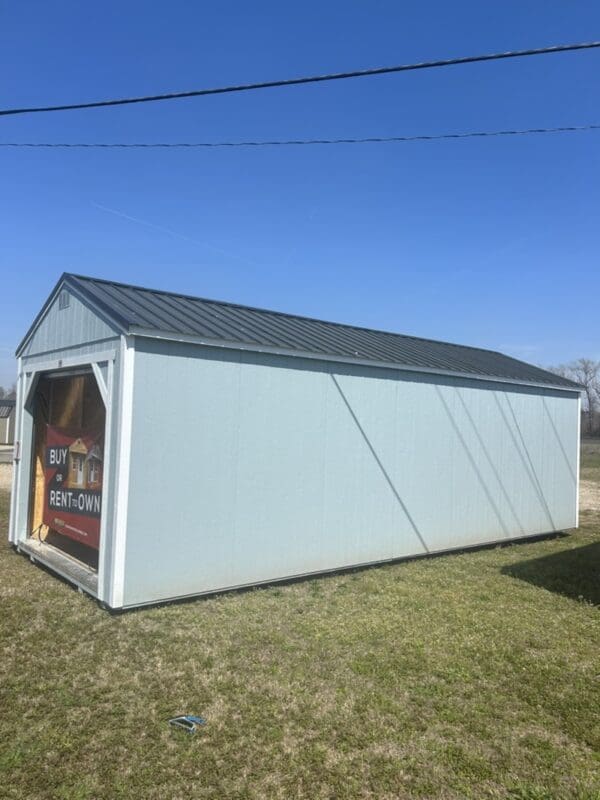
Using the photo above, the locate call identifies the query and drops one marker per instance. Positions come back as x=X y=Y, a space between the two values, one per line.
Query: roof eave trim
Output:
x=80 y=293
x=258 y=348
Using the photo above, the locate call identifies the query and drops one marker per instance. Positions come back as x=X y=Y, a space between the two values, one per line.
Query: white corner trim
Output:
x=109 y=468
x=578 y=461
x=122 y=471
x=16 y=476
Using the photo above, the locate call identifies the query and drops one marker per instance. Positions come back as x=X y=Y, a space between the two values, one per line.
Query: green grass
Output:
x=590 y=459
x=465 y=676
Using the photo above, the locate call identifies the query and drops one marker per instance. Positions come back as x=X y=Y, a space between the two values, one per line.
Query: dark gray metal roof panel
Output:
x=166 y=313
x=6 y=407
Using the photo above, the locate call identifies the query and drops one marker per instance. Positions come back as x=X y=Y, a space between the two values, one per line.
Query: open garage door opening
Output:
x=67 y=471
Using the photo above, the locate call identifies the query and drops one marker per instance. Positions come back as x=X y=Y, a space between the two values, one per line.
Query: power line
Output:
x=362 y=73
x=295 y=142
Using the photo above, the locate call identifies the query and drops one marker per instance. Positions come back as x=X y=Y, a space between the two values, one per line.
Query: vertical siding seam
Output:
x=380 y=465
x=490 y=461
x=324 y=453
x=521 y=456
x=239 y=364
x=533 y=474
x=472 y=462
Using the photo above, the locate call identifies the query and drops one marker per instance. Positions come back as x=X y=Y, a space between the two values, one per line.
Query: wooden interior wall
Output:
x=69 y=402
x=66 y=401
x=93 y=411
x=41 y=418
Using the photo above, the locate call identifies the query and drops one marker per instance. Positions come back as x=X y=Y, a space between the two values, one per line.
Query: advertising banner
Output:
x=73 y=483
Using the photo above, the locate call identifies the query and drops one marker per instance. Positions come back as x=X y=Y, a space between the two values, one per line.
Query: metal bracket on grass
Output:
x=188 y=722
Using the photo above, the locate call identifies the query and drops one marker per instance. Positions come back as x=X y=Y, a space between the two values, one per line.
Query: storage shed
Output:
x=7 y=421
x=171 y=446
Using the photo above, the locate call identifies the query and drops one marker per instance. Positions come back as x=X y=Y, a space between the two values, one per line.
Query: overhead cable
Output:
x=296 y=142
x=336 y=76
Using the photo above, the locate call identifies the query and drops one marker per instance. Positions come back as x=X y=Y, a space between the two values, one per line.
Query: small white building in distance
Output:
x=7 y=421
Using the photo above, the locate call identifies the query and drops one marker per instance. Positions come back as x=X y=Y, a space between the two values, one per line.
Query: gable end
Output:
x=67 y=319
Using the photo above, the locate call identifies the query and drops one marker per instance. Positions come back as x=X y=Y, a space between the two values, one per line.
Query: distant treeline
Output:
x=585 y=371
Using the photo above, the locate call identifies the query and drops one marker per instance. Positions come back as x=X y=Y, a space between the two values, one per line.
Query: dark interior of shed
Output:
x=70 y=401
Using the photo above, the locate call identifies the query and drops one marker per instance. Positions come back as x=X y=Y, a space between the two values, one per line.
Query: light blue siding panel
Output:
x=249 y=467
x=62 y=328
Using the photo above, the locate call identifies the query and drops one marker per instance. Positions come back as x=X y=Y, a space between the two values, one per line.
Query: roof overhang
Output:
x=254 y=348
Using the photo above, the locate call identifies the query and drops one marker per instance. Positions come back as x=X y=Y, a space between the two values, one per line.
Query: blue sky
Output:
x=487 y=242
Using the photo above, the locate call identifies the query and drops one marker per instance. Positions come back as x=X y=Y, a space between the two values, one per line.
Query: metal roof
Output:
x=6 y=407
x=139 y=310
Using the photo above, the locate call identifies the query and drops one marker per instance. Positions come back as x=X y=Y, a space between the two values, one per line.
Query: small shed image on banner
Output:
x=73 y=483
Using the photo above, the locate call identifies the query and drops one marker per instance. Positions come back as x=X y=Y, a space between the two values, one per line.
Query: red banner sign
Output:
x=73 y=480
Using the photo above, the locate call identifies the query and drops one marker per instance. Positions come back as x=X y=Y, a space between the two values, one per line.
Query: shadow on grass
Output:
x=573 y=573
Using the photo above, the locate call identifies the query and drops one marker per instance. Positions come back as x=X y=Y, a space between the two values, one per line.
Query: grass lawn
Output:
x=590 y=460
x=464 y=676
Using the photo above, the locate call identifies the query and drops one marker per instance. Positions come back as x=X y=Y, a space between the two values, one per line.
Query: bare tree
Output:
x=586 y=372
x=8 y=394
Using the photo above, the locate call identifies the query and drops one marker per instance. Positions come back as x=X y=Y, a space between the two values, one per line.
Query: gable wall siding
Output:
x=250 y=467
x=67 y=328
